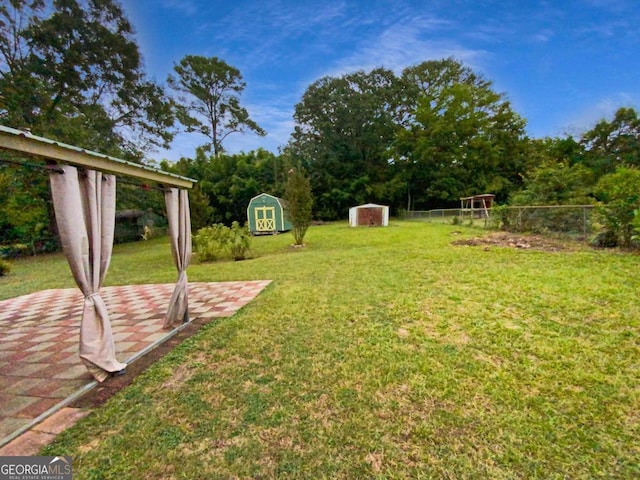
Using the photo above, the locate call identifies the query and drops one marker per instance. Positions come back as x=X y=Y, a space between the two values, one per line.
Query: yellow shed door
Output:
x=265 y=219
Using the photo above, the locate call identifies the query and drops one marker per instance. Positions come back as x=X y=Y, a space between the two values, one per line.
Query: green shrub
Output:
x=239 y=241
x=219 y=241
x=5 y=267
x=212 y=243
x=620 y=196
x=604 y=239
x=499 y=218
x=14 y=250
x=636 y=225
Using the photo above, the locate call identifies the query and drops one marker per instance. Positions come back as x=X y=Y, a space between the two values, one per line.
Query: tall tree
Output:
x=344 y=127
x=462 y=138
x=428 y=80
x=71 y=70
x=299 y=200
x=614 y=143
x=208 y=99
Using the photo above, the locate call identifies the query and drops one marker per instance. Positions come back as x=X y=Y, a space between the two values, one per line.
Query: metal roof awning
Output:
x=479 y=197
x=19 y=141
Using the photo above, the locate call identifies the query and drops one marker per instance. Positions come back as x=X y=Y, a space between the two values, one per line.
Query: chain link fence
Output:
x=568 y=220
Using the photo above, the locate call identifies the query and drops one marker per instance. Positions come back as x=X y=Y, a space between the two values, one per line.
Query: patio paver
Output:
x=40 y=370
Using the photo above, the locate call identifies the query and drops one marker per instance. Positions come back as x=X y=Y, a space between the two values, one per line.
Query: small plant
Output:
x=239 y=241
x=455 y=220
x=5 y=268
x=147 y=233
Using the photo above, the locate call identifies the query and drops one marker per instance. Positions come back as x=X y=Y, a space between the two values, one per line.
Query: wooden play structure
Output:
x=477 y=206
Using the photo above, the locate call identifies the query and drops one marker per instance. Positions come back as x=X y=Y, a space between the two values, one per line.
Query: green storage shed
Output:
x=267 y=215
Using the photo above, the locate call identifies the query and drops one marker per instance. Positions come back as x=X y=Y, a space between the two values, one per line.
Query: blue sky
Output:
x=563 y=64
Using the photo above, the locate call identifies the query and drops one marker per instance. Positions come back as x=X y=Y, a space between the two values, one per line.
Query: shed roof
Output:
x=281 y=201
x=17 y=140
x=370 y=205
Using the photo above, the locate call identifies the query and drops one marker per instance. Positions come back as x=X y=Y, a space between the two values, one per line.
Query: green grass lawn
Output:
x=380 y=353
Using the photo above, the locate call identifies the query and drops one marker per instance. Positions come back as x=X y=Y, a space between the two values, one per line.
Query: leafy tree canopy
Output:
x=228 y=182
x=620 y=193
x=209 y=99
x=71 y=70
x=460 y=137
x=613 y=143
x=344 y=127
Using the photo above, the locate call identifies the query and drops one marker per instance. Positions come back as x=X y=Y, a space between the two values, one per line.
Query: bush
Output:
x=239 y=241
x=211 y=243
x=636 y=225
x=219 y=241
x=605 y=239
x=499 y=218
x=5 y=267
x=14 y=250
x=620 y=194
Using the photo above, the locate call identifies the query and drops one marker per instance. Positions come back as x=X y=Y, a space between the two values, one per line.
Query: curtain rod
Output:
x=33 y=166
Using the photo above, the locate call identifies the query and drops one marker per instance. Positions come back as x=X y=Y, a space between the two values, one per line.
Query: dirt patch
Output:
x=101 y=393
x=519 y=241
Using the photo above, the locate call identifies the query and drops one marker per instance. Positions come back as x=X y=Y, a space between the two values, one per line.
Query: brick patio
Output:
x=40 y=370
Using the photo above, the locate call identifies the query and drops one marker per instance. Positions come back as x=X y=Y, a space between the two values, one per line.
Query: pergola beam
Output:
x=19 y=141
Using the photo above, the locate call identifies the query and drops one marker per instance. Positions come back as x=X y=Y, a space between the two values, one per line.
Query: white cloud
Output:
x=604 y=108
x=266 y=33
x=608 y=29
x=186 y=7
x=612 y=5
x=543 y=36
x=406 y=43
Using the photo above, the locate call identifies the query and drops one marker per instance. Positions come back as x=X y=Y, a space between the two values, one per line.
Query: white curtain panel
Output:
x=179 y=218
x=85 y=214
